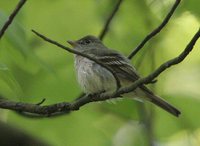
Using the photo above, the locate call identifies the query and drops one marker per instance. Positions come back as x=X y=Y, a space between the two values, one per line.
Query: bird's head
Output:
x=85 y=43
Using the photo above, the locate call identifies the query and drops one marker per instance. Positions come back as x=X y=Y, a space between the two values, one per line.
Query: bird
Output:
x=94 y=78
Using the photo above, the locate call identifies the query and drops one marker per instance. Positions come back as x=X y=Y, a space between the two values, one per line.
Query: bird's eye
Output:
x=87 y=41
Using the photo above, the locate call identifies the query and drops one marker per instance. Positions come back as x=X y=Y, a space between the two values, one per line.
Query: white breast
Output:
x=92 y=77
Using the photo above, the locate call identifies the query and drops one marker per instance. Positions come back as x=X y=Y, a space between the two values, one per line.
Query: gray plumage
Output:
x=94 y=78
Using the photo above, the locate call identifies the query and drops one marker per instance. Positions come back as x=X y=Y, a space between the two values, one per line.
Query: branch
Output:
x=11 y=17
x=166 y=65
x=66 y=107
x=155 y=31
x=106 y=26
x=81 y=54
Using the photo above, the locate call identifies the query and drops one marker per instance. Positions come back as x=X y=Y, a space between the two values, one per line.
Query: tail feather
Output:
x=165 y=105
x=160 y=102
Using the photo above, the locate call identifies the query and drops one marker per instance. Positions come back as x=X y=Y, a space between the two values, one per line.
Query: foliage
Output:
x=31 y=69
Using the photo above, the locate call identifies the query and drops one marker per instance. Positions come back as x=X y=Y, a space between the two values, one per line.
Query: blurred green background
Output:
x=31 y=69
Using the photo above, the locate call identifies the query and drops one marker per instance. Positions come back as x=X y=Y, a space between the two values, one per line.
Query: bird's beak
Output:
x=72 y=43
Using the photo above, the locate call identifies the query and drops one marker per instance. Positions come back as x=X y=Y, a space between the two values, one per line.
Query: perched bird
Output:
x=94 y=78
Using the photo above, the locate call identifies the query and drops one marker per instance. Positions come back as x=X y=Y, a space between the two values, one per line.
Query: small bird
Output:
x=93 y=78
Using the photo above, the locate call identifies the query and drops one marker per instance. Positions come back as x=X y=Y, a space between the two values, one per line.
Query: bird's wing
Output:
x=117 y=62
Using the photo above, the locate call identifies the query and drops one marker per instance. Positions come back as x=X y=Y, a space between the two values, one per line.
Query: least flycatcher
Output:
x=94 y=78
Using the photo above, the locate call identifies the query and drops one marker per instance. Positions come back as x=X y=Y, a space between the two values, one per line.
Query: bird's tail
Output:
x=165 y=105
x=161 y=102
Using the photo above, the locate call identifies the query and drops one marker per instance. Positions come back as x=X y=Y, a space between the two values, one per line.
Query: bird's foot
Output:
x=96 y=96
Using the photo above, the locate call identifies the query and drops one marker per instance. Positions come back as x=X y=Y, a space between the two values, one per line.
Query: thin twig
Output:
x=41 y=102
x=81 y=54
x=11 y=17
x=155 y=31
x=108 y=21
x=63 y=107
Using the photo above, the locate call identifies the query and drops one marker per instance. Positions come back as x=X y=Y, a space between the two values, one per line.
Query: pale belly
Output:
x=93 y=78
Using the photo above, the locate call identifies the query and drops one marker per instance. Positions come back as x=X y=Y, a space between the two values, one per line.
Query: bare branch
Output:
x=41 y=102
x=155 y=31
x=66 y=107
x=108 y=21
x=11 y=17
x=81 y=54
